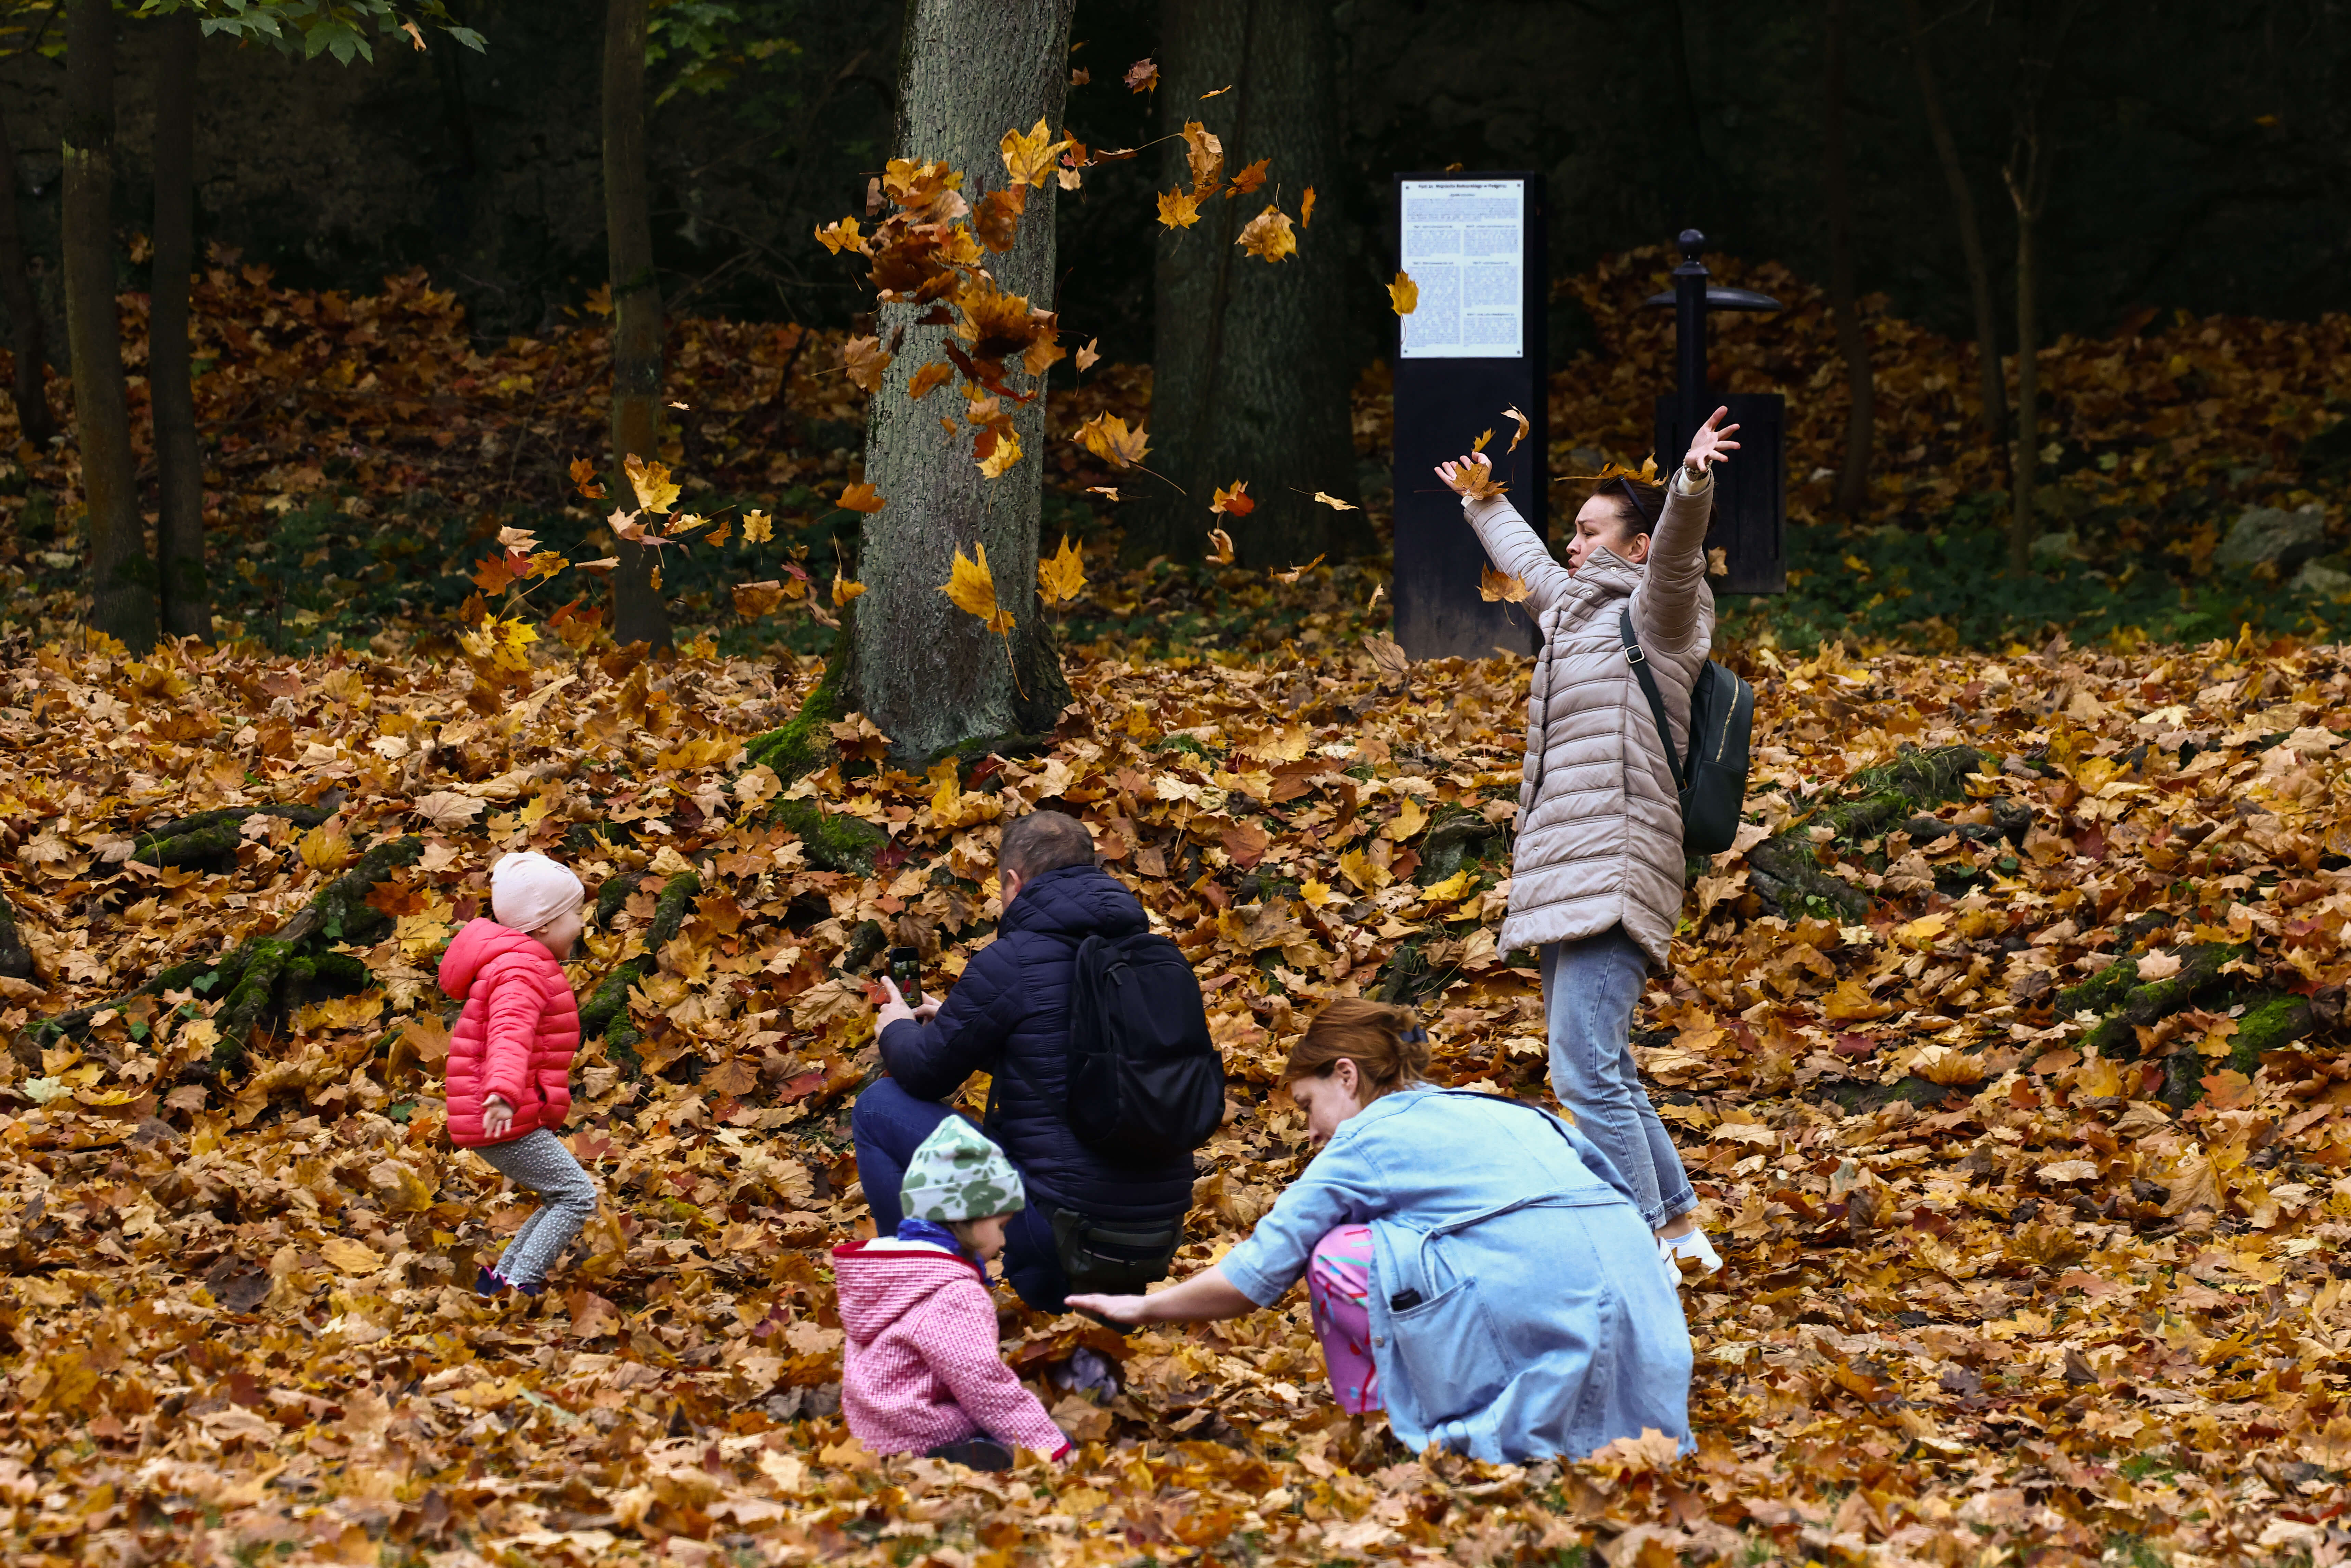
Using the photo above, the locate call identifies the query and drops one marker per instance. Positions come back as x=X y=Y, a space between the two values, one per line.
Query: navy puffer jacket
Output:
x=1008 y=1016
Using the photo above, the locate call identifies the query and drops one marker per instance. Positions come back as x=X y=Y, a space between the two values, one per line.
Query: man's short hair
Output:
x=1043 y=842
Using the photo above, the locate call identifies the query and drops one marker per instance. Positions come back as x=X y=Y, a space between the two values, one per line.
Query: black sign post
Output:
x=1474 y=345
x=1750 y=506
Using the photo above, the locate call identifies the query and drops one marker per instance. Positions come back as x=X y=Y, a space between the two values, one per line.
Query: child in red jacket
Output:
x=509 y=1070
x=922 y=1374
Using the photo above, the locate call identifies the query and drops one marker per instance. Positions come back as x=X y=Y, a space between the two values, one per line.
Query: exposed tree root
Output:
x=212 y=836
x=264 y=977
x=606 y=1012
x=1786 y=872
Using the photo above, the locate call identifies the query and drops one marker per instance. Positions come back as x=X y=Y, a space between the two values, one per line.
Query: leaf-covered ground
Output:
x=2011 y=1277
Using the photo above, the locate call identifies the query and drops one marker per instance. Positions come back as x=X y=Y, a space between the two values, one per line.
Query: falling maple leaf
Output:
x=1269 y=236
x=1526 y=427
x=1335 y=504
x=757 y=528
x=1233 y=502
x=1141 y=75
x=753 y=599
x=1028 y=156
x=1216 y=92
x=1220 y=546
x=1484 y=436
x=584 y=475
x=995 y=452
x=1404 y=294
x=844 y=589
x=1494 y=587
x=1306 y=208
x=651 y=481
x=841 y=236
x=1177 y=210
x=1204 y=155
x=930 y=377
x=970 y=588
x=996 y=219
x=1295 y=572
x=864 y=360
x=1107 y=492
x=1107 y=437
x=860 y=497
x=1061 y=576
x=1086 y=358
x=1248 y=179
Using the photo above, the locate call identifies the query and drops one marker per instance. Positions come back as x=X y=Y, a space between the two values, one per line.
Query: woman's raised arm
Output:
x=1667 y=617
x=1510 y=544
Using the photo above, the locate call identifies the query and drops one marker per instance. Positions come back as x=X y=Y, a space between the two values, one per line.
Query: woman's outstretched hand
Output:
x=1710 y=444
x=1130 y=1310
x=1472 y=473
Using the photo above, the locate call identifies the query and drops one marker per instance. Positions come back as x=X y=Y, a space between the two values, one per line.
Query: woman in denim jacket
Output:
x=1476 y=1266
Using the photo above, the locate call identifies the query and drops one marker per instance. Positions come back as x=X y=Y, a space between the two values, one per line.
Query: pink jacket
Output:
x=517 y=1035
x=922 y=1366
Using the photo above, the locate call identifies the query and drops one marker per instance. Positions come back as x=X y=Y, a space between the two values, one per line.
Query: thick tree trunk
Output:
x=2023 y=529
x=122 y=577
x=1852 y=342
x=24 y=313
x=1250 y=376
x=928 y=674
x=187 y=607
x=1992 y=388
x=638 y=612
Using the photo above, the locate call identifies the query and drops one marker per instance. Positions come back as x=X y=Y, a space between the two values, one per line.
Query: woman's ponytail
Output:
x=1387 y=1045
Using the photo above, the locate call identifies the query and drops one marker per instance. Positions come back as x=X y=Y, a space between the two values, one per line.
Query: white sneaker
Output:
x=1694 y=1246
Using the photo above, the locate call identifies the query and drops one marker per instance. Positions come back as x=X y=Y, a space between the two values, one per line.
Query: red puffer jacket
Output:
x=515 y=1037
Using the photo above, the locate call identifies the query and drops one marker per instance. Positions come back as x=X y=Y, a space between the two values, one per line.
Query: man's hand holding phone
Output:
x=904 y=967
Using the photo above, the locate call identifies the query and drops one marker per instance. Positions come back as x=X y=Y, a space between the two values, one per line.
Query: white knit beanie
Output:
x=528 y=891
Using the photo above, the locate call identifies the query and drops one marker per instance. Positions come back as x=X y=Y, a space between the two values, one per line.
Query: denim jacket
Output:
x=1518 y=1306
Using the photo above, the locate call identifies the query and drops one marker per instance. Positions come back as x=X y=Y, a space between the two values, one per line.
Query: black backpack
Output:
x=1713 y=782
x=1146 y=1084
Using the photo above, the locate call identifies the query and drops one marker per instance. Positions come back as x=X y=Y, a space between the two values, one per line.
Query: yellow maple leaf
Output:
x=1205 y=156
x=1178 y=211
x=1495 y=588
x=1479 y=445
x=1002 y=450
x=1335 y=504
x=1269 y=236
x=844 y=589
x=651 y=481
x=1295 y=572
x=860 y=497
x=1061 y=576
x=1234 y=502
x=757 y=528
x=1525 y=426
x=843 y=235
x=1249 y=179
x=1106 y=436
x=753 y=599
x=970 y=588
x=1403 y=294
x=934 y=374
x=1029 y=157
x=327 y=847
x=865 y=359
x=1475 y=479
x=1306 y=207
x=1366 y=874
x=1222 y=550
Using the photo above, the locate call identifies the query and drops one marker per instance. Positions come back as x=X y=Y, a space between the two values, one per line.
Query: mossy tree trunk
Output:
x=187 y=608
x=1250 y=376
x=123 y=576
x=638 y=613
x=24 y=336
x=1853 y=340
x=1991 y=387
x=927 y=674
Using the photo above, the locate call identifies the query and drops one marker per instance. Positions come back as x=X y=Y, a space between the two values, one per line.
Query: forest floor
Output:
x=2011 y=1078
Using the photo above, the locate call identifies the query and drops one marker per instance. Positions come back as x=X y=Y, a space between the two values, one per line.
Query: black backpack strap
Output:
x=1640 y=662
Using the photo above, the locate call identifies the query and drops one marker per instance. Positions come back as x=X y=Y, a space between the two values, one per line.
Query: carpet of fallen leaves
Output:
x=2035 y=1313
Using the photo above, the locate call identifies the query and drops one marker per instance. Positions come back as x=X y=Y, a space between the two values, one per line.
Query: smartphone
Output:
x=906 y=969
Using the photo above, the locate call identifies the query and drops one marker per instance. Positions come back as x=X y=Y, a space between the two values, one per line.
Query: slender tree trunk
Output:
x=187 y=608
x=1250 y=378
x=24 y=313
x=1991 y=390
x=1852 y=342
x=2025 y=177
x=928 y=674
x=122 y=577
x=638 y=612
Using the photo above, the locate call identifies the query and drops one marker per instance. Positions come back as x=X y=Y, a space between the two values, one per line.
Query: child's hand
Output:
x=497 y=1117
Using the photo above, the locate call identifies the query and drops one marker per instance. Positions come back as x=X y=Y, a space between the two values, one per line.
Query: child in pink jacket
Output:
x=509 y=1068
x=922 y=1374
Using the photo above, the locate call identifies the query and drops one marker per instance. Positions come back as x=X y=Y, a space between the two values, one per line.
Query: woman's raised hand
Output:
x=1711 y=444
x=1471 y=474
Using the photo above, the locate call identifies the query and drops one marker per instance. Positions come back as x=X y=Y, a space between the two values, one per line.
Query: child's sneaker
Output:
x=489 y=1282
x=1694 y=1246
x=974 y=1453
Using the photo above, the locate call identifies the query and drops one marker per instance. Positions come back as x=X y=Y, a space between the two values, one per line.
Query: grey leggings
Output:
x=538 y=1161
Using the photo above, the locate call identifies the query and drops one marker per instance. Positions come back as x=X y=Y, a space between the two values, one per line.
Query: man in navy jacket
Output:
x=1008 y=1016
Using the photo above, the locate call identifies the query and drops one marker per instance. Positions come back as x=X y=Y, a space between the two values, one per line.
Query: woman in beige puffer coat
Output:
x=1596 y=879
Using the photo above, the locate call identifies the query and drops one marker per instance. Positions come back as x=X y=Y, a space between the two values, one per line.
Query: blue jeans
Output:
x=889 y=1124
x=1590 y=988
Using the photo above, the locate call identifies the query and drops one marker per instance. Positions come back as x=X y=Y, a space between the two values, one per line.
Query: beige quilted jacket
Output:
x=1600 y=828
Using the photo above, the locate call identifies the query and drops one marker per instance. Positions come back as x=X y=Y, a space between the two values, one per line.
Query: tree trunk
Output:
x=1250 y=378
x=24 y=314
x=122 y=577
x=638 y=612
x=187 y=608
x=929 y=676
x=2024 y=177
x=1852 y=342
x=1992 y=391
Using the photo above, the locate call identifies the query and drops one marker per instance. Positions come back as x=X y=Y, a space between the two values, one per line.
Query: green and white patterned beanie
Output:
x=957 y=1173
